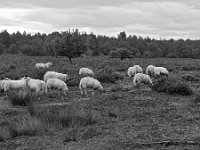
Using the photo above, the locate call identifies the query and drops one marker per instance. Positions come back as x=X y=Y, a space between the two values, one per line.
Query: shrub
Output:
x=190 y=78
x=171 y=86
x=70 y=117
x=27 y=127
x=74 y=81
x=179 y=88
x=118 y=87
x=20 y=98
x=107 y=75
x=114 y=96
x=39 y=73
x=197 y=99
x=161 y=84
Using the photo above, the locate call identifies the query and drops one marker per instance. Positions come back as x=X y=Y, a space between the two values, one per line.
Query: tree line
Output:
x=73 y=43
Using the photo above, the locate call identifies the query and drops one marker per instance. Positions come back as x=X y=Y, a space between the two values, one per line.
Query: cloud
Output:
x=155 y=18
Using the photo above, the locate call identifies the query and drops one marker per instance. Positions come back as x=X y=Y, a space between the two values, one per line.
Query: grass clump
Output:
x=20 y=98
x=66 y=117
x=171 y=86
x=27 y=126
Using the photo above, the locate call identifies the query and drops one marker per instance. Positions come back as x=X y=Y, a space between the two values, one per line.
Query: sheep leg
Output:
x=93 y=92
x=86 y=92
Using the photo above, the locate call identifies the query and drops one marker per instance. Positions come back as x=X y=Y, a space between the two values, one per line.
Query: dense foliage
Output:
x=73 y=44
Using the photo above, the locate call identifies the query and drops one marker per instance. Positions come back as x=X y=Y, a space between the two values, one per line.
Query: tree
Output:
x=73 y=44
x=5 y=38
x=2 y=48
x=121 y=53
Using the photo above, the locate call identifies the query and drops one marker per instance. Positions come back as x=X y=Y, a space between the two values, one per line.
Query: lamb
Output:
x=54 y=83
x=133 y=70
x=88 y=82
x=53 y=74
x=43 y=65
x=86 y=72
x=141 y=78
x=150 y=70
x=36 y=85
x=159 y=71
x=14 y=84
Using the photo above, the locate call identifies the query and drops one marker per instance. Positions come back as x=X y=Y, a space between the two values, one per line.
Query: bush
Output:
x=107 y=75
x=197 y=99
x=190 y=78
x=171 y=86
x=39 y=73
x=27 y=127
x=70 y=117
x=118 y=87
x=179 y=88
x=161 y=84
x=20 y=98
x=74 y=81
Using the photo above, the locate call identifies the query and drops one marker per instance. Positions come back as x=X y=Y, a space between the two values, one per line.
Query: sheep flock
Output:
x=57 y=81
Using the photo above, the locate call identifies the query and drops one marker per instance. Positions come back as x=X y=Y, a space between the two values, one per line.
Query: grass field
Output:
x=124 y=117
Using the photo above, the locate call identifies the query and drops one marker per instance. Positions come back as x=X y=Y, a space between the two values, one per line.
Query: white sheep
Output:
x=86 y=72
x=133 y=70
x=8 y=84
x=159 y=71
x=43 y=65
x=88 y=82
x=150 y=70
x=141 y=78
x=36 y=85
x=54 y=83
x=48 y=64
x=53 y=74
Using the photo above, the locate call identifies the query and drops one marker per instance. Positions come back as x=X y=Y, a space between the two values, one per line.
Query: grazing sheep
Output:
x=36 y=85
x=43 y=65
x=54 y=83
x=86 y=72
x=53 y=74
x=159 y=71
x=14 y=84
x=150 y=70
x=141 y=78
x=133 y=70
x=88 y=82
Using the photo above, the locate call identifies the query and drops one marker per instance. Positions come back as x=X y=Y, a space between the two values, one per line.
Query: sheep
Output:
x=14 y=84
x=53 y=74
x=133 y=70
x=150 y=70
x=86 y=72
x=88 y=82
x=36 y=85
x=43 y=65
x=54 y=83
x=159 y=71
x=141 y=78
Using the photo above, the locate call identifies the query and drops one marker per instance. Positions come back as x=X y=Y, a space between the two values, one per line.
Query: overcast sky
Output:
x=153 y=18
